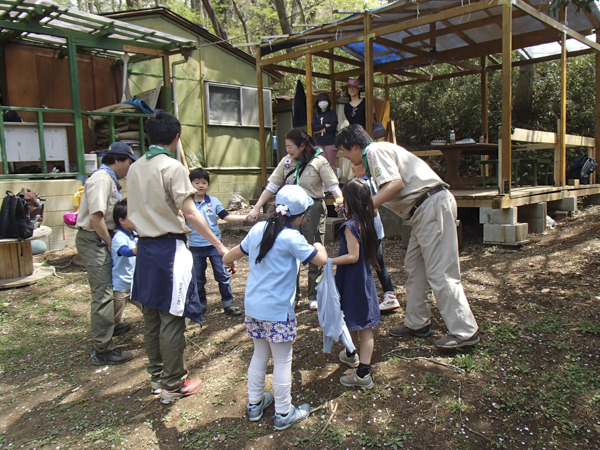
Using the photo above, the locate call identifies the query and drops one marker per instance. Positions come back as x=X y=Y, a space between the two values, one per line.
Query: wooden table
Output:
x=453 y=152
x=16 y=259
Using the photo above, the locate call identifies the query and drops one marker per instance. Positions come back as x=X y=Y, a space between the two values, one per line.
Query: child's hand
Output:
x=231 y=268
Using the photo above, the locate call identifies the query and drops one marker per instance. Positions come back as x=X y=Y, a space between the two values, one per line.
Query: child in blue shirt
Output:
x=275 y=250
x=123 y=250
x=210 y=207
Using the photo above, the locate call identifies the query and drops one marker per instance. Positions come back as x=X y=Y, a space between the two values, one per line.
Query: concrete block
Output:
x=332 y=228
x=559 y=215
x=505 y=234
x=499 y=216
x=535 y=216
x=565 y=204
x=392 y=223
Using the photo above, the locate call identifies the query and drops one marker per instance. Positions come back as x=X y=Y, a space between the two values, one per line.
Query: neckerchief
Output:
x=301 y=162
x=365 y=161
x=154 y=150
x=113 y=176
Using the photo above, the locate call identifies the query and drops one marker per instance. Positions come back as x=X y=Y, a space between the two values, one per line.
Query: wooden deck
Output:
x=520 y=196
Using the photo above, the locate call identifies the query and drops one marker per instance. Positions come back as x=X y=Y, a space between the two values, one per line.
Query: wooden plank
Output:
x=369 y=104
x=593 y=176
x=524 y=135
x=427 y=153
x=504 y=148
x=332 y=94
x=261 y=119
x=14 y=261
x=332 y=57
x=484 y=100
x=560 y=154
x=555 y=24
x=25 y=259
x=4 y=261
x=293 y=70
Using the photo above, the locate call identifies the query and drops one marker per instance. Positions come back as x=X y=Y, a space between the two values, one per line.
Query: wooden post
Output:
x=504 y=153
x=167 y=92
x=369 y=74
x=309 y=93
x=76 y=105
x=484 y=99
x=560 y=152
x=593 y=177
x=386 y=82
x=261 y=119
x=333 y=90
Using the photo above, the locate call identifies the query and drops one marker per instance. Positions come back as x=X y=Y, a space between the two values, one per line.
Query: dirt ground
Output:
x=531 y=383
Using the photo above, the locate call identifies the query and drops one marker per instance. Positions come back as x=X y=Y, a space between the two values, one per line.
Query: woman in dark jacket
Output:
x=324 y=126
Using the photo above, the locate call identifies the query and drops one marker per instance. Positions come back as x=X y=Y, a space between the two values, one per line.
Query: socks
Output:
x=350 y=355
x=363 y=370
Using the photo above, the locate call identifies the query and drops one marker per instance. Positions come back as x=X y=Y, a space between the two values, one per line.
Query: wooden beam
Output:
x=332 y=94
x=555 y=24
x=295 y=71
x=560 y=153
x=597 y=106
x=445 y=76
x=261 y=119
x=332 y=57
x=504 y=146
x=484 y=100
x=309 y=93
x=369 y=104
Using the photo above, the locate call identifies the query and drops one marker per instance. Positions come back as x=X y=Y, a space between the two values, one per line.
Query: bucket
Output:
x=91 y=163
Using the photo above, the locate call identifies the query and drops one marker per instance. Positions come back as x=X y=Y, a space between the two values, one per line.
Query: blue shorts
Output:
x=273 y=331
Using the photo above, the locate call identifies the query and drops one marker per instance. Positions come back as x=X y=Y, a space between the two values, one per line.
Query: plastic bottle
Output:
x=452 y=138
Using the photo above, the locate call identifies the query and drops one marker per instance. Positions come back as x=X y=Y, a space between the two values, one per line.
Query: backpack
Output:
x=581 y=168
x=14 y=218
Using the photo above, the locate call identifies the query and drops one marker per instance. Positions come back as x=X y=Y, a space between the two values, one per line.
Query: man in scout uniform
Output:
x=164 y=282
x=410 y=188
x=95 y=221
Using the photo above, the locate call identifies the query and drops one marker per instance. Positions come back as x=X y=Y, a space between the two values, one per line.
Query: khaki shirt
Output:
x=317 y=173
x=156 y=189
x=100 y=194
x=389 y=162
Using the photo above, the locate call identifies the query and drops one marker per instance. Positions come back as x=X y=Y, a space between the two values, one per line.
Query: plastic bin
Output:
x=91 y=163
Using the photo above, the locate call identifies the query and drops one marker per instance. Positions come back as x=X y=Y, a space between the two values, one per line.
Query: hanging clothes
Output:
x=299 y=107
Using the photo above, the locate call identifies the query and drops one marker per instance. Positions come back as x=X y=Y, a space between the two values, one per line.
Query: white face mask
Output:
x=323 y=104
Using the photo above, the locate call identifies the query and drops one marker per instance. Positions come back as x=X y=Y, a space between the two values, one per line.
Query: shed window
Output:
x=236 y=105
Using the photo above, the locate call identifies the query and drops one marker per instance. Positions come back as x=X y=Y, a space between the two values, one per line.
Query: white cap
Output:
x=292 y=199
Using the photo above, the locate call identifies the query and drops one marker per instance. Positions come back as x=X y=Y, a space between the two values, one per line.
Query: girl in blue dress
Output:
x=354 y=280
x=275 y=251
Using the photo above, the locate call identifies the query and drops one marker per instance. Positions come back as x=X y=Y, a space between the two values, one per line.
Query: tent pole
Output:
x=504 y=154
x=261 y=119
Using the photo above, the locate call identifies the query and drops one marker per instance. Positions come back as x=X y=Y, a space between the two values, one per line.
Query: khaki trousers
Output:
x=313 y=229
x=122 y=297
x=164 y=337
x=98 y=264
x=432 y=260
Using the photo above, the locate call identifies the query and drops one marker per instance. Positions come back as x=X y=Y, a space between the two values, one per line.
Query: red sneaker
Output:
x=189 y=387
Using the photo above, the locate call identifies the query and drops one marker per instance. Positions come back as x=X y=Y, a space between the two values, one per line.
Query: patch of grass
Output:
x=589 y=328
x=546 y=324
x=456 y=405
x=466 y=362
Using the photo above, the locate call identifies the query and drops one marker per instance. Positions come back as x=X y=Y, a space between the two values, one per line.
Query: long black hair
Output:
x=298 y=136
x=275 y=223
x=359 y=205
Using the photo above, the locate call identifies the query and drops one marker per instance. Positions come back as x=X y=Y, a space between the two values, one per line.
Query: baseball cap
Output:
x=121 y=148
x=294 y=198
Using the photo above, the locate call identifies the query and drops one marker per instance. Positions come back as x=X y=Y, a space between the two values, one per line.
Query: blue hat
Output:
x=121 y=148
x=293 y=198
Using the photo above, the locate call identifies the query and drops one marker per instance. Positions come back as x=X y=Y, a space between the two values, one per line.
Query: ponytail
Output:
x=275 y=223
x=298 y=136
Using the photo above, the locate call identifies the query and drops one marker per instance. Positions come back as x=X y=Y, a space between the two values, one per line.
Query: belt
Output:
x=425 y=196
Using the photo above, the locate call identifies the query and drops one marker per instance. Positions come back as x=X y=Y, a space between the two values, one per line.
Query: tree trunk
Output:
x=284 y=20
x=240 y=16
x=216 y=23
x=301 y=8
x=523 y=95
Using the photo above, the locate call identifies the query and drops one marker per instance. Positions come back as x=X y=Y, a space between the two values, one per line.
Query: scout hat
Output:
x=292 y=199
x=121 y=148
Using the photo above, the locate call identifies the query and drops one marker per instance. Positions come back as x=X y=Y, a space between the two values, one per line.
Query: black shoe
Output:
x=111 y=358
x=232 y=311
x=121 y=328
x=403 y=331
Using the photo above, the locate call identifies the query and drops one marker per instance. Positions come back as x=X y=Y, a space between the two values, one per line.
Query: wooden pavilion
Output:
x=400 y=40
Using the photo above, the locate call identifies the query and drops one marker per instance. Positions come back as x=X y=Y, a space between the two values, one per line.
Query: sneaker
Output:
x=155 y=387
x=294 y=415
x=403 y=331
x=351 y=361
x=232 y=311
x=189 y=387
x=389 y=303
x=111 y=358
x=455 y=342
x=121 y=328
x=255 y=412
x=355 y=380
x=312 y=305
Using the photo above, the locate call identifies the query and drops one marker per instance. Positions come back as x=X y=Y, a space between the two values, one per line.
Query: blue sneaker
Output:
x=255 y=412
x=294 y=415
